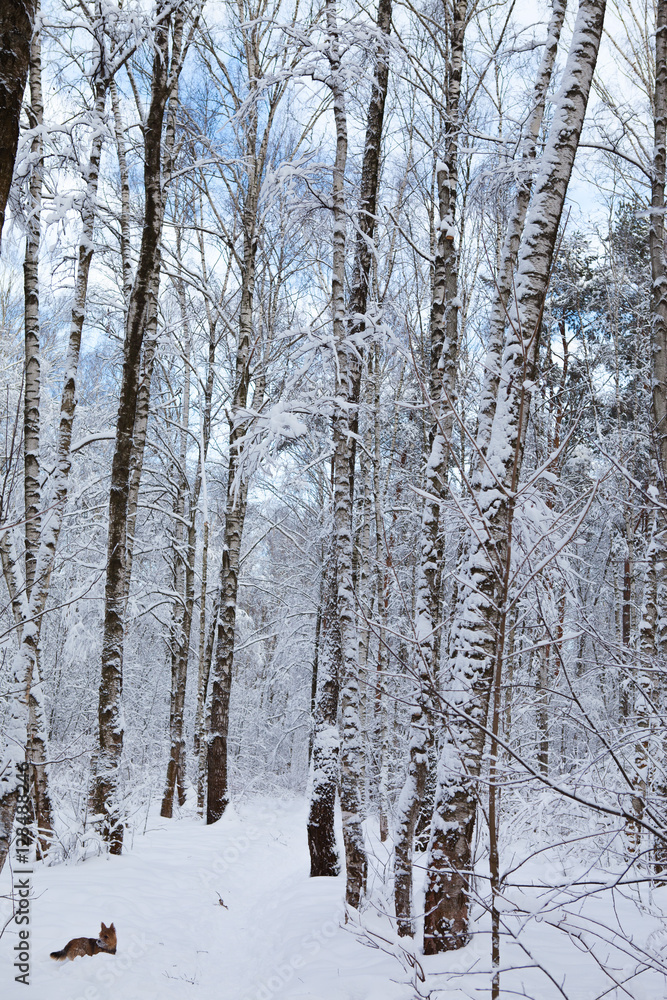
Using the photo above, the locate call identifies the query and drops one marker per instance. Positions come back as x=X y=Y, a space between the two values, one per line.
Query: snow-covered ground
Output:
x=280 y=933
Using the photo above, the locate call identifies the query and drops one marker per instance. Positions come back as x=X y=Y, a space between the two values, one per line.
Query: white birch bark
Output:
x=37 y=734
x=24 y=663
x=32 y=499
x=351 y=757
x=512 y=240
x=125 y=242
x=382 y=595
x=477 y=629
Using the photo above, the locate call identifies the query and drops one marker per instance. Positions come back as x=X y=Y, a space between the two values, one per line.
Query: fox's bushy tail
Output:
x=59 y=955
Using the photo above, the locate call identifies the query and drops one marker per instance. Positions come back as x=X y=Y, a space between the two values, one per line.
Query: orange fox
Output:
x=88 y=946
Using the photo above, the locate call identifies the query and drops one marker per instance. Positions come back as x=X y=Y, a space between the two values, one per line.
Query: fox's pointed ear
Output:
x=104 y=927
x=111 y=927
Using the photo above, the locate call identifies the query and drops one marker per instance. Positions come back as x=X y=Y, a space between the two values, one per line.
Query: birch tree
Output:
x=31 y=432
x=165 y=73
x=477 y=635
x=339 y=644
x=25 y=663
x=655 y=608
x=263 y=67
x=444 y=331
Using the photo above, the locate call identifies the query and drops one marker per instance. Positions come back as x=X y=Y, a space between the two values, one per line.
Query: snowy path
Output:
x=278 y=937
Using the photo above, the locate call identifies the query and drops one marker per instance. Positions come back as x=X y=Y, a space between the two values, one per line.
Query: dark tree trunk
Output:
x=109 y=712
x=237 y=499
x=237 y=490
x=366 y=216
x=218 y=790
x=313 y=679
x=17 y=19
x=444 y=330
x=324 y=859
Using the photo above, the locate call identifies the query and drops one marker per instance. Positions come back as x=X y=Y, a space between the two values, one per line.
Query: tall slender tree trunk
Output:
x=24 y=665
x=442 y=388
x=217 y=756
x=324 y=859
x=351 y=757
x=205 y=653
x=183 y=584
x=657 y=554
x=107 y=791
x=360 y=287
x=37 y=735
x=247 y=364
x=235 y=512
x=643 y=698
x=478 y=627
x=142 y=417
x=514 y=231
x=315 y=671
x=382 y=576
x=345 y=427
x=31 y=434
x=125 y=242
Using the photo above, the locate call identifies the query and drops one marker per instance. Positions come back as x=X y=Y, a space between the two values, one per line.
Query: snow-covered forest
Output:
x=333 y=498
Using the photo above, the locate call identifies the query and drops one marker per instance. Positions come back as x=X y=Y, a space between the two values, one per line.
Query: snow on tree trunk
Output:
x=31 y=392
x=476 y=629
x=359 y=329
x=141 y=426
x=360 y=287
x=351 y=757
x=383 y=563
x=512 y=241
x=324 y=859
x=218 y=788
x=37 y=732
x=24 y=665
x=657 y=554
x=110 y=716
x=247 y=366
x=125 y=241
x=203 y=720
x=442 y=387
x=206 y=646
x=183 y=584
x=38 y=755
x=235 y=512
x=204 y=654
